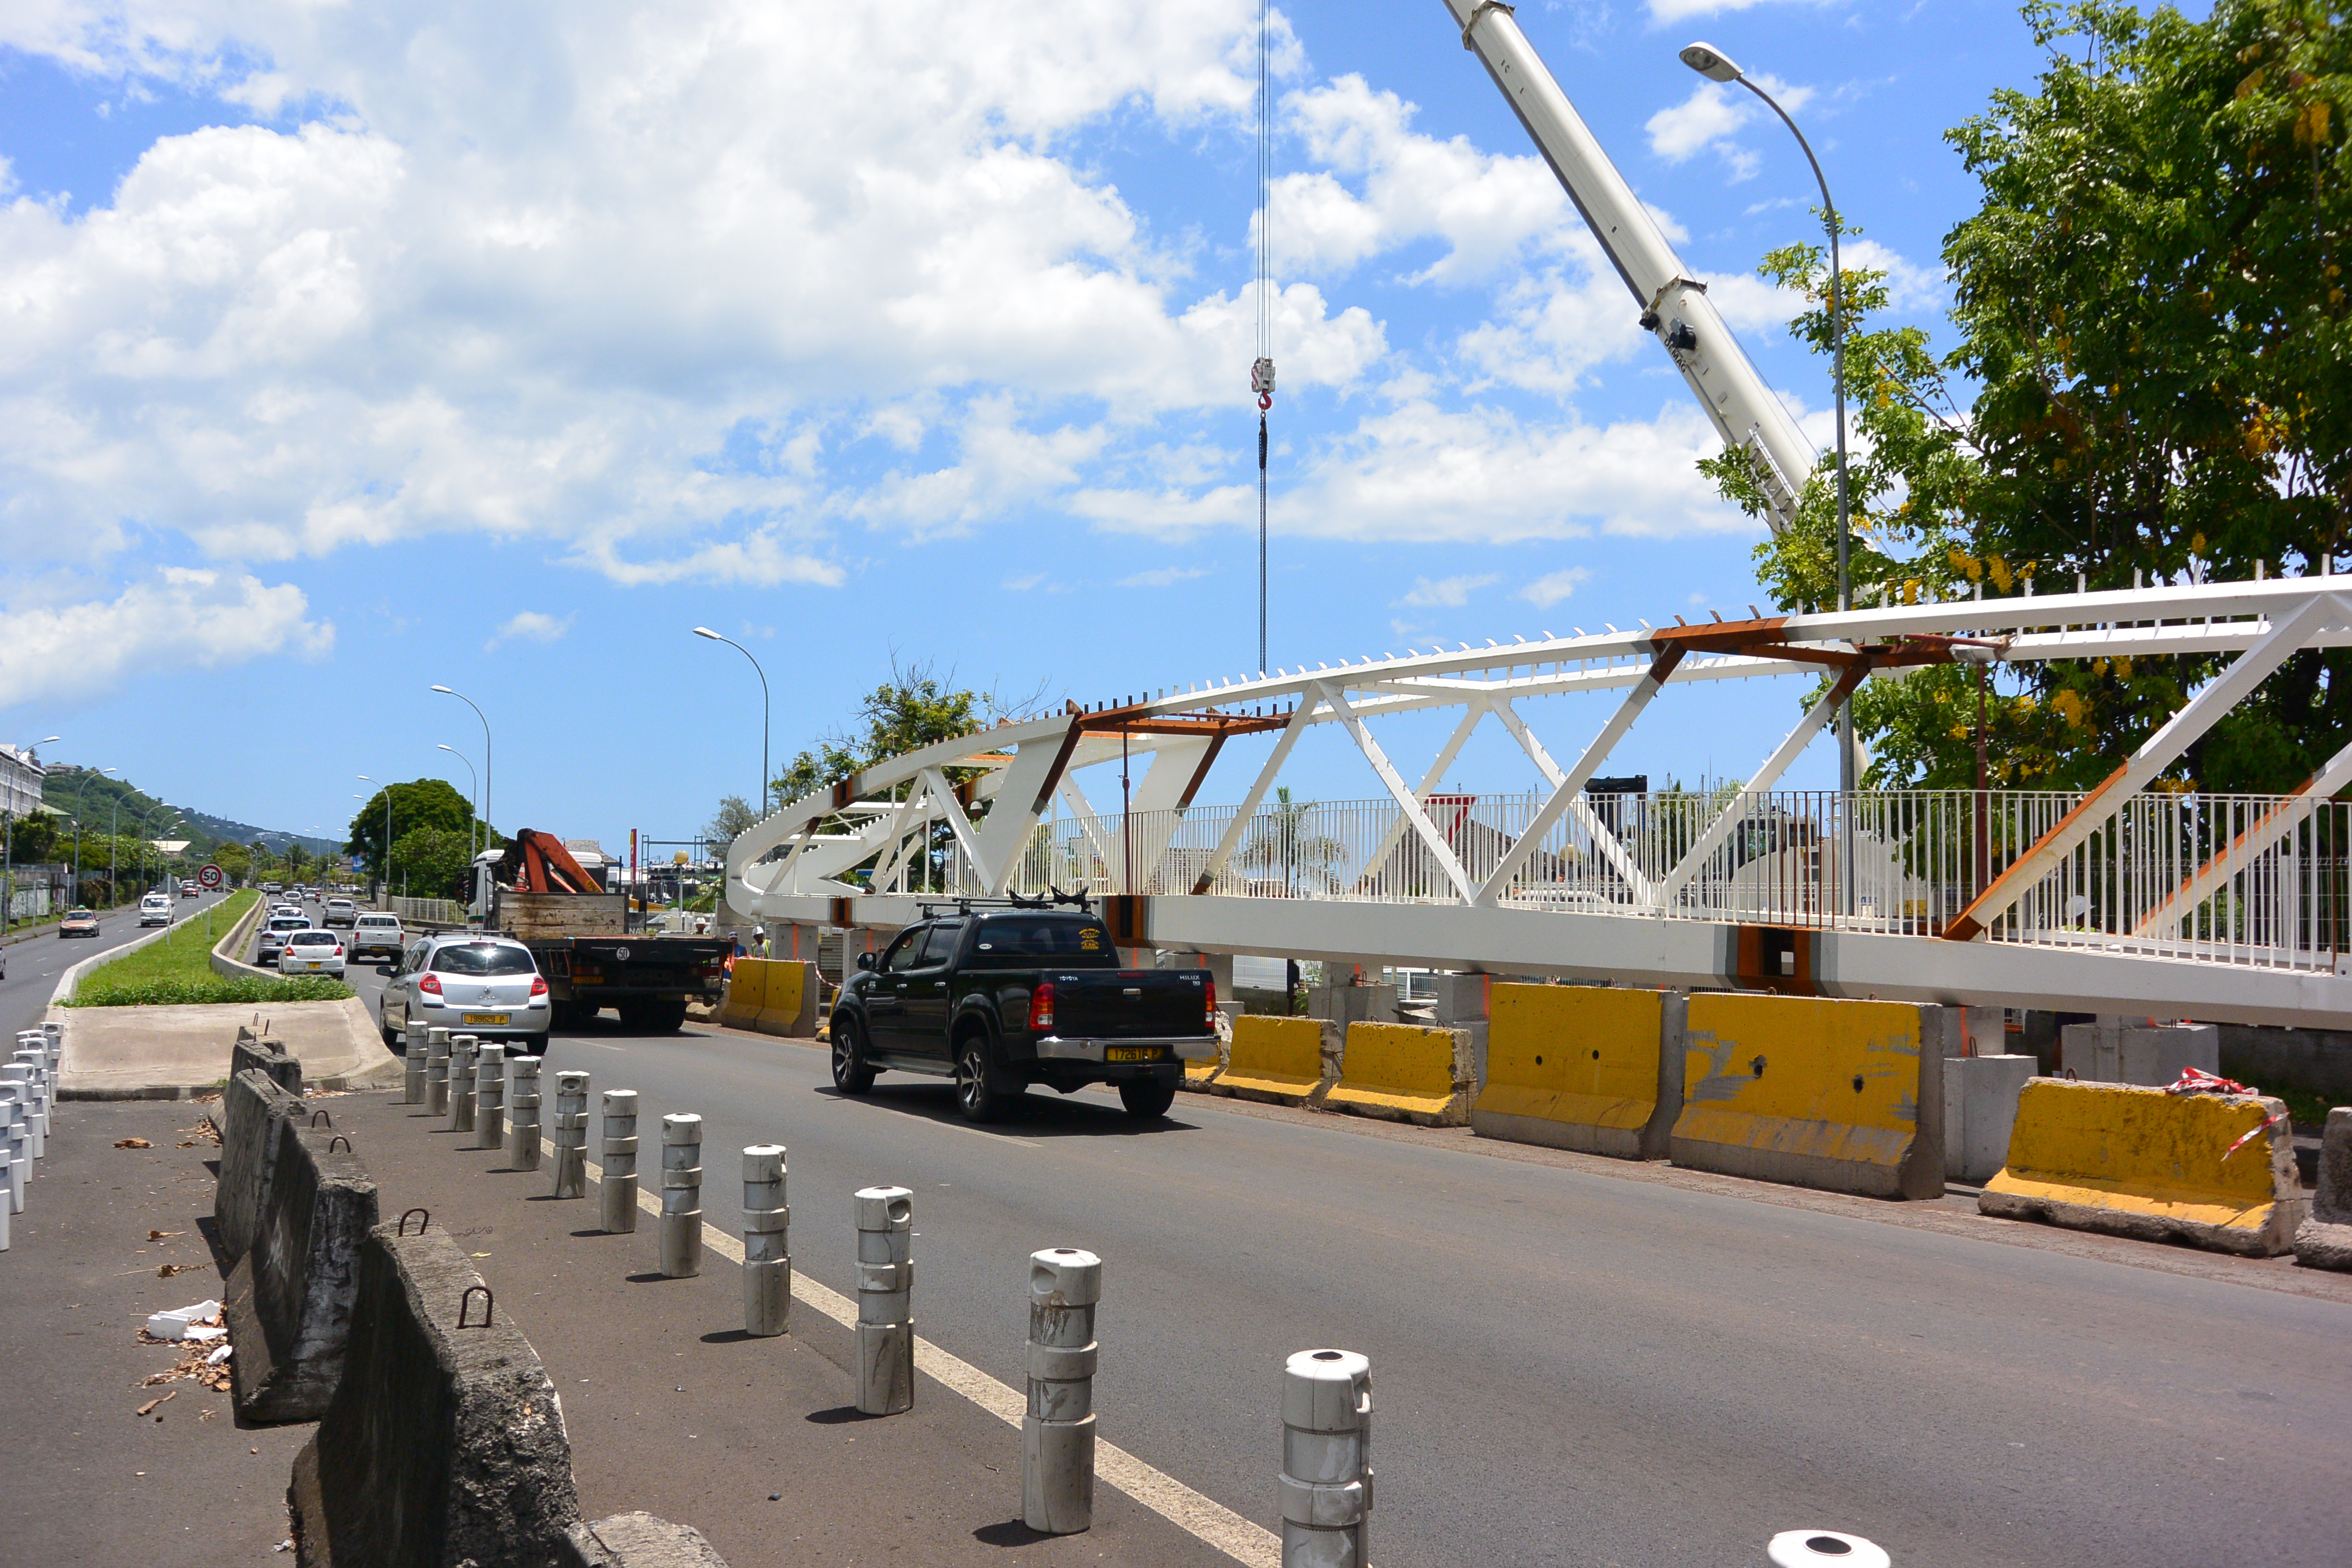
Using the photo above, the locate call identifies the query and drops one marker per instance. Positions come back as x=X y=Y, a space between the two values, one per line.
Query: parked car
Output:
x=154 y=909
x=339 y=912
x=273 y=937
x=315 y=952
x=374 y=933
x=473 y=985
x=79 y=922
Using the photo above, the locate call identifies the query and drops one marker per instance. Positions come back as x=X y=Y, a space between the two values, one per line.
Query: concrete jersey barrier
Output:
x=1405 y=1072
x=788 y=999
x=1283 y=1061
x=2324 y=1240
x=443 y=1444
x=747 y=993
x=290 y=1300
x=2130 y=1161
x=266 y=1056
x=638 y=1541
x=253 y=1113
x=1592 y=1068
x=1842 y=1096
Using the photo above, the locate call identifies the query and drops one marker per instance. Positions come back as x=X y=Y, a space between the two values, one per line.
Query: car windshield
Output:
x=484 y=958
x=82 y=915
x=287 y=923
x=386 y=920
x=1006 y=939
x=312 y=939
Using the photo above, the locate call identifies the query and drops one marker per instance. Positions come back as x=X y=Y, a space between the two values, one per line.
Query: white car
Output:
x=311 y=952
x=339 y=912
x=154 y=909
x=472 y=984
x=374 y=933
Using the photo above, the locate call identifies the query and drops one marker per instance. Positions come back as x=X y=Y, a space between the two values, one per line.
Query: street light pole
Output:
x=470 y=850
x=485 y=812
x=739 y=647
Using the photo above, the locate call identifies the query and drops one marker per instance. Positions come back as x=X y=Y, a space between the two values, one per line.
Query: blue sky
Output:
x=353 y=351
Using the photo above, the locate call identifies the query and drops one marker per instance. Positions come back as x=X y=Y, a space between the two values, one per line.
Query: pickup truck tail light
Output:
x=1211 y=1021
x=1041 y=1007
x=431 y=983
x=539 y=986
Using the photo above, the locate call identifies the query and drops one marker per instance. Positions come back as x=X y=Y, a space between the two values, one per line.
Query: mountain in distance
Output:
x=100 y=803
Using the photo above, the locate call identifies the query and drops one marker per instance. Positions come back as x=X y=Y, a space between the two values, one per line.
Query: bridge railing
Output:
x=2241 y=880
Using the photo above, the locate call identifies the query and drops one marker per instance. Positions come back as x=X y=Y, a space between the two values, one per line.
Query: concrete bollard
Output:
x=681 y=1216
x=6 y=1167
x=571 y=1134
x=1057 y=1431
x=20 y=1144
x=491 y=1096
x=411 y=1061
x=886 y=1282
x=436 y=1072
x=522 y=1113
x=1804 y=1548
x=767 y=1243
x=461 y=1082
x=29 y=1106
x=1326 y=1485
x=616 y=1193
x=56 y=1032
x=37 y=1080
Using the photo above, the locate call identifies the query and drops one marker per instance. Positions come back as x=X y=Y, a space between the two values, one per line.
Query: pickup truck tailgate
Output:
x=1130 y=1004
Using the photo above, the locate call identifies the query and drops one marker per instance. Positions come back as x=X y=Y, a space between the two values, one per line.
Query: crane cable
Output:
x=1262 y=372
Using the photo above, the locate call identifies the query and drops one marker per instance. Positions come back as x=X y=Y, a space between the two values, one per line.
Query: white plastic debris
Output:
x=219 y=1355
x=175 y=1324
x=201 y=1332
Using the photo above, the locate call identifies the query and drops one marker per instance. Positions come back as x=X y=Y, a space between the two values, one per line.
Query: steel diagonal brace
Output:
x=1766 y=777
x=1232 y=840
x=2290 y=630
x=1572 y=783
x=1088 y=822
x=2267 y=829
x=1453 y=748
x=1567 y=788
x=936 y=780
x=1407 y=802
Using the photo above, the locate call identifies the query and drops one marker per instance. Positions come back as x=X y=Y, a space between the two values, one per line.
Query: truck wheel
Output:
x=665 y=1015
x=978 y=1097
x=1146 y=1102
x=850 y=1073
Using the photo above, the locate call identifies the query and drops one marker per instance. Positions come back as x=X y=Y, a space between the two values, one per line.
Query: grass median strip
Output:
x=179 y=969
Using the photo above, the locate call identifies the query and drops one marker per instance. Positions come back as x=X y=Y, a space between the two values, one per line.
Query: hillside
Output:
x=101 y=801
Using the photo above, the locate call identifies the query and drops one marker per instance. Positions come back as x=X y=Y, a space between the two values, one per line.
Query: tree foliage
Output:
x=431 y=863
x=426 y=802
x=734 y=817
x=2150 y=304
x=917 y=707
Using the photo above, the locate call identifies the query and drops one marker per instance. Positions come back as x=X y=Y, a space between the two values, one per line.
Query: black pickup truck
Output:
x=1001 y=999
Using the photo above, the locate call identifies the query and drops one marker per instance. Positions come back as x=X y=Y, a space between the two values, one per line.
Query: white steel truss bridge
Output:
x=2124 y=897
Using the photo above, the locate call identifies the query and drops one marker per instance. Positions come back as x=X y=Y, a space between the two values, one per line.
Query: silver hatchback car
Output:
x=487 y=985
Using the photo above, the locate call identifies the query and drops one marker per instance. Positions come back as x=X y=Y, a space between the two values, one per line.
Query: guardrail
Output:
x=427 y=912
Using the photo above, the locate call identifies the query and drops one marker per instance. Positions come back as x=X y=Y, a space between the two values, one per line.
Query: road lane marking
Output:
x=1202 y=1517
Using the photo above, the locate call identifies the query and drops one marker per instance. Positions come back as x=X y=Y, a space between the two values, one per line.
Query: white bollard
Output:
x=1811 y=1548
x=522 y=1113
x=36 y=1063
x=461 y=1082
x=491 y=1096
x=7 y=1166
x=20 y=1149
x=767 y=1243
x=617 y=1192
x=436 y=1072
x=571 y=1134
x=57 y=1037
x=1057 y=1431
x=885 y=1283
x=1326 y=1485
x=411 y=1061
x=681 y=1216
x=30 y=1104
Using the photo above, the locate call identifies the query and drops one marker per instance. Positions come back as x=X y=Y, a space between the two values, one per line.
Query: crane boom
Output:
x=1675 y=306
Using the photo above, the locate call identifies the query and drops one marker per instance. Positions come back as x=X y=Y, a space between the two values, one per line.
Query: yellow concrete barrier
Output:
x=1814 y=1092
x=1405 y=1072
x=747 y=991
x=1279 y=1060
x=2140 y=1163
x=1197 y=1076
x=1592 y=1068
x=788 y=1000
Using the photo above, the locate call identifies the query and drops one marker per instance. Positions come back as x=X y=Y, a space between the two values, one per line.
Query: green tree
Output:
x=431 y=863
x=2150 y=303
x=422 y=802
x=732 y=818
x=234 y=860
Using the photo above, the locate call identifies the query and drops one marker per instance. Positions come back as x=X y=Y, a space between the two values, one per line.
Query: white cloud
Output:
x=1451 y=592
x=1163 y=577
x=1662 y=10
x=1553 y=586
x=177 y=619
x=531 y=626
x=1708 y=119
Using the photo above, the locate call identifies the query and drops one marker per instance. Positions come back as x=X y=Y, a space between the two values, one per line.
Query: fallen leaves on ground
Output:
x=132 y=1143
x=166 y=1270
x=149 y=1408
x=164 y=1234
x=203 y=1132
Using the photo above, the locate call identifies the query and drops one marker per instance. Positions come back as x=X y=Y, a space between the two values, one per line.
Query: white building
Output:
x=20 y=781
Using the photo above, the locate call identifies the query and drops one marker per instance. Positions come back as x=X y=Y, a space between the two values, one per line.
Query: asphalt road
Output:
x=1571 y=1367
x=35 y=962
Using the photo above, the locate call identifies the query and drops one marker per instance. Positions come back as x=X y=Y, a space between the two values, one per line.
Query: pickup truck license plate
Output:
x=1132 y=1054
x=486 y=1017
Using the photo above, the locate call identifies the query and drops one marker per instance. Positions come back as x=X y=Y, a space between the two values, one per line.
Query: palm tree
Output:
x=1283 y=843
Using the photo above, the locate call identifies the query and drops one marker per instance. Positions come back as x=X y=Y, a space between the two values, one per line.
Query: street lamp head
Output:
x=440 y=747
x=707 y=632
x=444 y=691
x=47 y=738
x=1711 y=62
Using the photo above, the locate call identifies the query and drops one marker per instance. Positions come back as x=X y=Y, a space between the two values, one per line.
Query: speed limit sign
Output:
x=211 y=877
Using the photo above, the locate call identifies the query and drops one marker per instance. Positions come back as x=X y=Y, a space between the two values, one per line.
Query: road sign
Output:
x=211 y=877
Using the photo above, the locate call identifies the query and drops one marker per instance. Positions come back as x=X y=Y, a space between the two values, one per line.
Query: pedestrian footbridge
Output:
x=2126 y=897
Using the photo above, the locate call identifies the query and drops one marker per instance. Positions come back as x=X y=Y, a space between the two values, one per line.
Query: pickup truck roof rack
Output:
x=1053 y=897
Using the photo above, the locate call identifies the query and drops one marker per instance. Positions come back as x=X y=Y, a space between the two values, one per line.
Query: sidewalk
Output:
x=171 y=1053
x=669 y=1406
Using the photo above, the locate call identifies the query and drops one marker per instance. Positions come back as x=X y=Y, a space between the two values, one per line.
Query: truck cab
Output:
x=1000 y=999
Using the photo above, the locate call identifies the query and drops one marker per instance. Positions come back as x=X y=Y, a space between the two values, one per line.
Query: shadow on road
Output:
x=1036 y=1114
